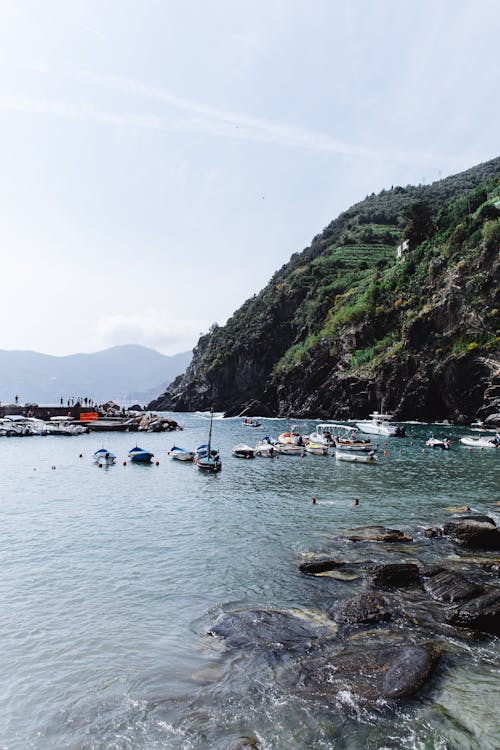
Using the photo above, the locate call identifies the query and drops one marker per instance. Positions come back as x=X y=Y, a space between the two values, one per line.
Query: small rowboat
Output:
x=286 y=449
x=316 y=449
x=181 y=454
x=357 y=458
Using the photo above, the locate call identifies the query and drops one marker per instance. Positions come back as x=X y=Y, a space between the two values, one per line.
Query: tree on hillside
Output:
x=419 y=223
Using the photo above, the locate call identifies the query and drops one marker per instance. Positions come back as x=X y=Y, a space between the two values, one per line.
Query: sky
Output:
x=161 y=159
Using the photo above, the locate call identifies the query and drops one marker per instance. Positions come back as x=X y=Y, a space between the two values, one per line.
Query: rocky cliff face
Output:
x=344 y=328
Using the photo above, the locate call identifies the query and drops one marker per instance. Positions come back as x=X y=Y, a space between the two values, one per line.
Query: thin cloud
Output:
x=217 y=121
x=66 y=109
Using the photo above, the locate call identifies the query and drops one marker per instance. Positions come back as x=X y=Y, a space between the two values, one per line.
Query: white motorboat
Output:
x=356 y=458
x=247 y=422
x=264 y=448
x=352 y=443
x=317 y=449
x=103 y=457
x=481 y=442
x=439 y=443
x=63 y=426
x=243 y=451
x=181 y=454
x=380 y=424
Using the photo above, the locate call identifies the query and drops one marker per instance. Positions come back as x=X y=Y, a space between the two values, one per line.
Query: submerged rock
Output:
x=395 y=575
x=478 y=532
x=324 y=564
x=448 y=586
x=377 y=534
x=272 y=629
x=371 y=673
x=365 y=608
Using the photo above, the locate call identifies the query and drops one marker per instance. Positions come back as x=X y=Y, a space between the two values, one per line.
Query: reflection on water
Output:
x=111 y=578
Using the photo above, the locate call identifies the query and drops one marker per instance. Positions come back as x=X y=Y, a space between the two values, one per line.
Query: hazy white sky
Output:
x=160 y=159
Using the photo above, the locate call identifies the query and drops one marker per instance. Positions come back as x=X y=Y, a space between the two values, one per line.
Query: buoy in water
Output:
x=81 y=455
x=100 y=466
x=53 y=467
x=124 y=463
x=157 y=463
x=385 y=453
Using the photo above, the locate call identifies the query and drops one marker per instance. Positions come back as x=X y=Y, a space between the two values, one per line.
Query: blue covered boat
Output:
x=140 y=456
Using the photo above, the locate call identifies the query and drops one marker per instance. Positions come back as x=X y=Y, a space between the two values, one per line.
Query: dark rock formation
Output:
x=365 y=608
x=476 y=532
x=377 y=534
x=481 y=613
x=269 y=629
x=448 y=586
x=323 y=564
x=341 y=330
x=373 y=673
x=395 y=575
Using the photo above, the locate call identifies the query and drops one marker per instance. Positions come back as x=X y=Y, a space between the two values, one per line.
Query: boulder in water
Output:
x=395 y=575
x=387 y=672
x=448 y=586
x=477 y=532
x=377 y=534
x=481 y=613
x=365 y=608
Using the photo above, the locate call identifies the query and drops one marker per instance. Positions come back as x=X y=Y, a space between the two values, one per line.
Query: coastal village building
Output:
x=401 y=249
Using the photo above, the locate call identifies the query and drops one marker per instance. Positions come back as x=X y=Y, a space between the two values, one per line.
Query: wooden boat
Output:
x=103 y=457
x=140 y=456
x=243 y=451
x=207 y=458
x=181 y=454
x=287 y=449
x=357 y=458
x=354 y=445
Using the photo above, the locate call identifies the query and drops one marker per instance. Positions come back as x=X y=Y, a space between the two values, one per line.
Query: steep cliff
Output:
x=345 y=327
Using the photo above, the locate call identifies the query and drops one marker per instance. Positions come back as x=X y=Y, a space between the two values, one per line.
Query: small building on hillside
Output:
x=402 y=249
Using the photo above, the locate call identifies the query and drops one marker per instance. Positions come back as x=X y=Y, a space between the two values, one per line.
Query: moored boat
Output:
x=181 y=454
x=287 y=449
x=207 y=458
x=317 y=449
x=248 y=422
x=264 y=448
x=380 y=424
x=481 y=442
x=140 y=456
x=243 y=451
x=103 y=457
x=356 y=458
x=439 y=443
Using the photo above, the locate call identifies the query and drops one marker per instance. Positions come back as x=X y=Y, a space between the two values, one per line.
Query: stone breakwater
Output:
x=416 y=600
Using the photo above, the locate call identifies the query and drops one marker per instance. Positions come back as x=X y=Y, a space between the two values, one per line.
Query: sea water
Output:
x=111 y=577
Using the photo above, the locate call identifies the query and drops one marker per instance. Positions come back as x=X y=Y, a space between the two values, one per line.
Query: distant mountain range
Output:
x=121 y=373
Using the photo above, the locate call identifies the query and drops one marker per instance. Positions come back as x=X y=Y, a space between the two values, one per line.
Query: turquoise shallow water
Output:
x=110 y=579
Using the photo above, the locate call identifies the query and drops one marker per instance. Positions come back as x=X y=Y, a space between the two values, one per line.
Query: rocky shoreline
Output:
x=417 y=599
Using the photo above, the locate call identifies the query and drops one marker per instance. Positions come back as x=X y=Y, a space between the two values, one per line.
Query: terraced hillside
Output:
x=345 y=327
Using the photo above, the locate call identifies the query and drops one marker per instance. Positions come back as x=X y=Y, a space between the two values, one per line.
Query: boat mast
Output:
x=209 y=449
